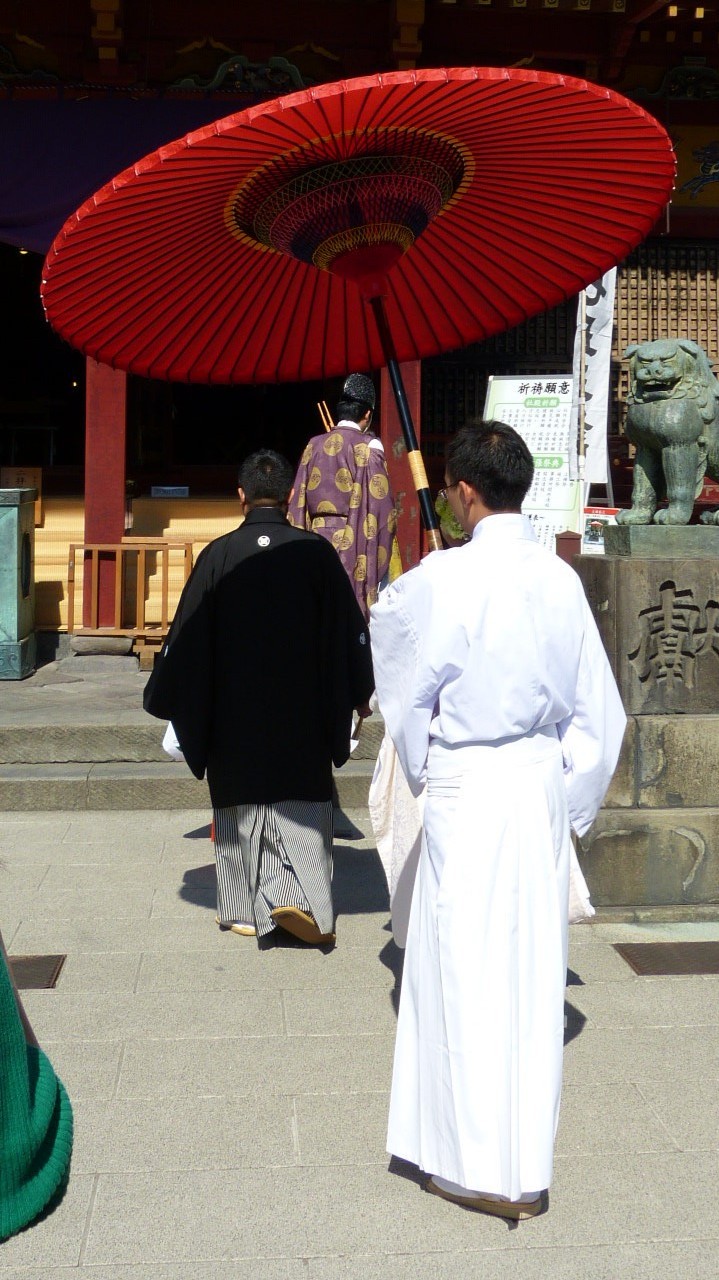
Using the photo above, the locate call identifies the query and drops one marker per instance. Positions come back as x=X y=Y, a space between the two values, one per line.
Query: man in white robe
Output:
x=497 y=693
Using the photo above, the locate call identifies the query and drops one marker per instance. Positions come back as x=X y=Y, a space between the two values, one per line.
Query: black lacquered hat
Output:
x=357 y=386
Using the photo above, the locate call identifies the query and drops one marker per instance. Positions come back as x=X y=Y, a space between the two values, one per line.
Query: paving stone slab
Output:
x=89 y=867
x=598 y=963
x=38 y=824
x=302 y=1211
x=239 y=964
x=221 y=1133
x=606 y=932
x=362 y=929
x=206 y=1067
x=134 y=853
x=649 y=1002
x=41 y=931
x=89 y=1069
x=170 y=823
x=135 y=901
x=167 y=1014
x=200 y=1269
x=684 y=1260
x=642 y=1053
x=92 y=868
x=342 y=1129
x=689 y=1112
x=629 y=1197
x=354 y=1010
x=610 y=1118
x=178 y=931
x=53 y=1241
x=97 y=972
x=21 y=880
x=196 y=891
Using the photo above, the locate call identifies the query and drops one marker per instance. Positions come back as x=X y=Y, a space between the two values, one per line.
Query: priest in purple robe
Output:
x=342 y=492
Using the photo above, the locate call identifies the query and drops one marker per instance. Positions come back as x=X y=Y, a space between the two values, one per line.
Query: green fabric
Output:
x=448 y=521
x=35 y=1122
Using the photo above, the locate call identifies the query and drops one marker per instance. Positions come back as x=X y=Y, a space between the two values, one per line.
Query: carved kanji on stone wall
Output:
x=674 y=633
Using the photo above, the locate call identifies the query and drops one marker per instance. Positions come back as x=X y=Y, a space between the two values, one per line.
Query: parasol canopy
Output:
x=457 y=202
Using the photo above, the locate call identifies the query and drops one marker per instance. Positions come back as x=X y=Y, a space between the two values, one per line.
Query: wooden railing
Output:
x=129 y=615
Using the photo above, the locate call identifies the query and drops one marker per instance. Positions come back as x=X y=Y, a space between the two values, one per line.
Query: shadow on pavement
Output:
x=199 y=886
x=392 y=957
x=358 y=882
x=574 y=1023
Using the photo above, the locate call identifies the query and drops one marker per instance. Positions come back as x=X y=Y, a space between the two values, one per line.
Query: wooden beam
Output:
x=622 y=44
x=407 y=22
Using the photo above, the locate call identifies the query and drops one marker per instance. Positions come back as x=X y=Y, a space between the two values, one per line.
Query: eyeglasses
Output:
x=443 y=493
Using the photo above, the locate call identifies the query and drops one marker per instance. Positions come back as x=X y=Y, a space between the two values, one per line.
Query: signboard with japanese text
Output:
x=540 y=409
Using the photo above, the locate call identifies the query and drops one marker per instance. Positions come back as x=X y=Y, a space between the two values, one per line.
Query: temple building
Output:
x=87 y=87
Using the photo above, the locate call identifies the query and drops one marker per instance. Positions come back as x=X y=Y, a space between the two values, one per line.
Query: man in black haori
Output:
x=267 y=657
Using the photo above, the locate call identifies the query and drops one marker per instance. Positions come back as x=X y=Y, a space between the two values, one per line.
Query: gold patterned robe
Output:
x=342 y=492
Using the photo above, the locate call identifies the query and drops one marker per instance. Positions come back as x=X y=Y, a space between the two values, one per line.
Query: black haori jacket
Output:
x=266 y=657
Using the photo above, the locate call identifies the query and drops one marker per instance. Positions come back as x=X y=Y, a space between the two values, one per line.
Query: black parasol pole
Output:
x=414 y=457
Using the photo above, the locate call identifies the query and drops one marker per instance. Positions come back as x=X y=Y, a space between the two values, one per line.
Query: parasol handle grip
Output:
x=416 y=462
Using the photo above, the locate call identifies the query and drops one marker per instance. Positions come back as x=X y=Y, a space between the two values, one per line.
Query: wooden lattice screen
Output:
x=666 y=289
x=669 y=290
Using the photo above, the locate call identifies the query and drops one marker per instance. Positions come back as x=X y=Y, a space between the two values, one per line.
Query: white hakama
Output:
x=478 y=1060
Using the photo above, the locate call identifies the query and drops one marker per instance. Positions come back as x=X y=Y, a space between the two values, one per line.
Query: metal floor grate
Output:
x=34 y=973
x=654 y=959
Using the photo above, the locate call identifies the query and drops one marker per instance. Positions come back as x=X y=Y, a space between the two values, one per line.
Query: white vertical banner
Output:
x=595 y=322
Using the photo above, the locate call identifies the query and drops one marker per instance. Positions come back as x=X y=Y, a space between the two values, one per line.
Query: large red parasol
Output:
x=356 y=224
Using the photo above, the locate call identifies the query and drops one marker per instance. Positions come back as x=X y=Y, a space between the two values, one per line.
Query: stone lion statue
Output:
x=673 y=419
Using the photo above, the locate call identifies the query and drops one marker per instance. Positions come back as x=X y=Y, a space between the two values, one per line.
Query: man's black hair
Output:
x=351 y=410
x=495 y=460
x=265 y=476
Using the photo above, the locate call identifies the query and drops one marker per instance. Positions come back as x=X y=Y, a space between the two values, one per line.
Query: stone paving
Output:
x=230 y=1103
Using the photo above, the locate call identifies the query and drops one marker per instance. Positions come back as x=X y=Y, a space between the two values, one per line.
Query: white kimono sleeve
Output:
x=406 y=696
x=592 y=735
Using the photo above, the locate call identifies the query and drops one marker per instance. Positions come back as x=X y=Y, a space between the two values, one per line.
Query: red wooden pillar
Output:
x=409 y=520
x=105 y=405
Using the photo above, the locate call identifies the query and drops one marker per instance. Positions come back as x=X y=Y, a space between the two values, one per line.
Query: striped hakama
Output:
x=274 y=855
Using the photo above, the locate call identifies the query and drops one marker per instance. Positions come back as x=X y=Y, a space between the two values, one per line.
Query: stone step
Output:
x=141 y=785
x=107 y=743
x=82 y=743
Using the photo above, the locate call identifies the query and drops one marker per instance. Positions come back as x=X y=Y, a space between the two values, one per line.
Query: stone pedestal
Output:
x=17 y=583
x=655 y=595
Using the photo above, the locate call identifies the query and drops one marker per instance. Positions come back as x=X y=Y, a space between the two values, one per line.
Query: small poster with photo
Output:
x=595 y=522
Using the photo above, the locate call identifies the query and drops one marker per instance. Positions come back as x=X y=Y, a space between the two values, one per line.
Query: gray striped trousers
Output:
x=274 y=855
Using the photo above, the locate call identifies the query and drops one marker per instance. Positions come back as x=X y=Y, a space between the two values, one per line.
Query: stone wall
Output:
x=656 y=841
